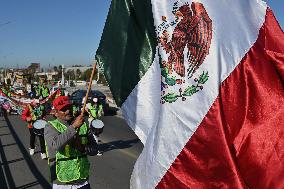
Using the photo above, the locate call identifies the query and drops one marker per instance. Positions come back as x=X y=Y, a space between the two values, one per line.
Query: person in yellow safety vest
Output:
x=38 y=90
x=68 y=142
x=95 y=111
x=44 y=91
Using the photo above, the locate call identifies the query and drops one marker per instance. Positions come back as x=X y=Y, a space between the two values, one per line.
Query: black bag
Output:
x=92 y=147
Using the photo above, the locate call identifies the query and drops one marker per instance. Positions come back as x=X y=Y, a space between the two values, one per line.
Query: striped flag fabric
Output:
x=201 y=84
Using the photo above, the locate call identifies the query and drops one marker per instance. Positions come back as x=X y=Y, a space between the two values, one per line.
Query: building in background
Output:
x=34 y=67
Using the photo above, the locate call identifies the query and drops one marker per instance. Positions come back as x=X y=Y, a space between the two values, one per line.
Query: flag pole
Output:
x=89 y=88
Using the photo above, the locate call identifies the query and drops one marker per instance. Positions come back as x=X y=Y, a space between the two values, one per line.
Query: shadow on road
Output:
x=10 y=183
x=119 y=144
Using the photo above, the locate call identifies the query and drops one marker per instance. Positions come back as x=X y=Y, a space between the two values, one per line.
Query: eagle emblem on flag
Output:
x=185 y=50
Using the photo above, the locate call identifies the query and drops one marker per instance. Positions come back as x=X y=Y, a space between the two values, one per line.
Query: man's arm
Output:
x=56 y=140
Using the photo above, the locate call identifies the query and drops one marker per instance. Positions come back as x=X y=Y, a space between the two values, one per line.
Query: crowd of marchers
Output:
x=68 y=133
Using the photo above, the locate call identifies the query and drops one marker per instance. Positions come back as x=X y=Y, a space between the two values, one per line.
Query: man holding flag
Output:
x=68 y=143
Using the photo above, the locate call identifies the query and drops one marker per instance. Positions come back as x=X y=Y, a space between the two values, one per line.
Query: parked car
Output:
x=80 y=83
x=77 y=96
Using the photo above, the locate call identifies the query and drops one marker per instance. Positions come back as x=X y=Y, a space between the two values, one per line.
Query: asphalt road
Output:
x=112 y=170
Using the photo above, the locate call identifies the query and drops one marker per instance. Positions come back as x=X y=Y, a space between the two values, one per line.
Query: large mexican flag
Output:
x=201 y=84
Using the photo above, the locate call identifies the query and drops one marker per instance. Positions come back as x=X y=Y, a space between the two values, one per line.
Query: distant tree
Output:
x=32 y=69
x=36 y=78
x=78 y=74
x=55 y=69
x=67 y=75
x=87 y=74
x=72 y=84
x=59 y=72
x=70 y=74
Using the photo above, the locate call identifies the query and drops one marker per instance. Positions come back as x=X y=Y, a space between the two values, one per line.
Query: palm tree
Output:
x=78 y=73
x=55 y=69
x=87 y=74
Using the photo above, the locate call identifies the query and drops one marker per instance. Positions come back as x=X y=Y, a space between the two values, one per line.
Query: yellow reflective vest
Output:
x=71 y=164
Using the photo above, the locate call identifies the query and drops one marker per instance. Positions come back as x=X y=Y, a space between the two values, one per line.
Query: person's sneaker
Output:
x=99 y=153
x=43 y=155
x=32 y=151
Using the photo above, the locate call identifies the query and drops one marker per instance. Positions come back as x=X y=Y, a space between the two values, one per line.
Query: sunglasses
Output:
x=66 y=108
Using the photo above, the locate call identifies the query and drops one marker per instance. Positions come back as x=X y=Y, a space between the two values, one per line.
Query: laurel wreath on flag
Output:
x=189 y=91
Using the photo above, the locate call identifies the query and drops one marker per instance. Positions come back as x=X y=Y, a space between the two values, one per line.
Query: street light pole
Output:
x=62 y=77
x=5 y=75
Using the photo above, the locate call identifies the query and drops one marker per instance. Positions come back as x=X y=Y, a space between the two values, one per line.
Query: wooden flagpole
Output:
x=89 y=88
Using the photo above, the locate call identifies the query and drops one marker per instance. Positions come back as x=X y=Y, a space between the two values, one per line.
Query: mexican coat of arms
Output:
x=184 y=49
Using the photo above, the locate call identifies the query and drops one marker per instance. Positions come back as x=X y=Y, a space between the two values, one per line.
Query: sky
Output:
x=50 y=32
x=54 y=32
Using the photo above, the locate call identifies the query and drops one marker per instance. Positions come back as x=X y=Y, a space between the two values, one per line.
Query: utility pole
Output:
x=69 y=79
x=62 y=77
x=5 y=75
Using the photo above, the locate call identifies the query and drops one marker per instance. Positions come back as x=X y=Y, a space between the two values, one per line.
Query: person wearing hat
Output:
x=31 y=114
x=95 y=111
x=68 y=143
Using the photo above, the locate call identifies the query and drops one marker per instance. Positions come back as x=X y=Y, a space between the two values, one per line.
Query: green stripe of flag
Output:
x=128 y=45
